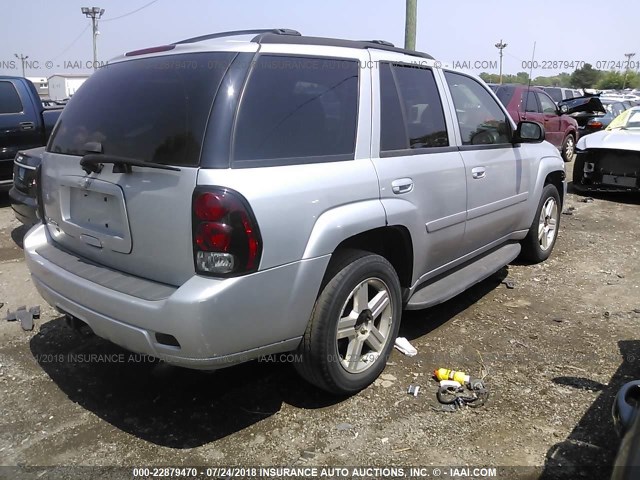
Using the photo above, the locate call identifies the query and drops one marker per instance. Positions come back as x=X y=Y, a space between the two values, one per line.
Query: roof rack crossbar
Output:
x=232 y=33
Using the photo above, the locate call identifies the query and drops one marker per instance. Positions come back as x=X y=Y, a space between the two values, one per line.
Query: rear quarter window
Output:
x=297 y=110
x=150 y=109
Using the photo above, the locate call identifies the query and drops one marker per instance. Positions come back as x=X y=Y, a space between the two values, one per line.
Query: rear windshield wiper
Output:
x=93 y=163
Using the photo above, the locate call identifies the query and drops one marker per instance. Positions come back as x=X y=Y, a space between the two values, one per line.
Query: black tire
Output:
x=569 y=141
x=532 y=250
x=578 y=174
x=321 y=351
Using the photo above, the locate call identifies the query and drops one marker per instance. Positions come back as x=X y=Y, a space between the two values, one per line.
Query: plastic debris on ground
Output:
x=413 y=390
x=405 y=347
x=457 y=389
x=25 y=316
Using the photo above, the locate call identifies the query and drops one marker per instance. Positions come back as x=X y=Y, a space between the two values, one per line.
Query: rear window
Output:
x=153 y=109
x=297 y=110
x=554 y=93
x=9 y=99
x=504 y=94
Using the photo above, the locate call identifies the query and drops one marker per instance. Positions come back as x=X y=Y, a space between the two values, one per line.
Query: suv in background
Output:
x=559 y=94
x=282 y=198
x=561 y=130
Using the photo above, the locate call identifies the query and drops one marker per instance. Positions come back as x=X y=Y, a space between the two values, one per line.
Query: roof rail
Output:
x=257 y=32
x=381 y=42
x=269 y=37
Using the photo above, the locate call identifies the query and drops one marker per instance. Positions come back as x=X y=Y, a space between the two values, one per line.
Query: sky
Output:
x=57 y=36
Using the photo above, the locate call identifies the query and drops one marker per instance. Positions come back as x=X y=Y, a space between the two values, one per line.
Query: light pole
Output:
x=410 y=25
x=626 y=71
x=501 y=46
x=22 y=59
x=94 y=13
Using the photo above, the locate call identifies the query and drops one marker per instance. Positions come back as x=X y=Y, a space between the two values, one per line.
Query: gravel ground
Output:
x=554 y=350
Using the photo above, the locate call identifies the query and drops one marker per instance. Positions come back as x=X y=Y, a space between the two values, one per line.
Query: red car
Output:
x=561 y=130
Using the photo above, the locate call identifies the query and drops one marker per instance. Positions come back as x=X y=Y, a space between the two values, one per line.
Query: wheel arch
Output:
x=391 y=242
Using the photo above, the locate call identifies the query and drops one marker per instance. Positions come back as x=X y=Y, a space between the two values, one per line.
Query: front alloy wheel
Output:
x=548 y=223
x=542 y=235
x=569 y=149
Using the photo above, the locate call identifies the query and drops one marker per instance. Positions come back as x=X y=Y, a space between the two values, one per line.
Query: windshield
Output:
x=152 y=109
x=627 y=120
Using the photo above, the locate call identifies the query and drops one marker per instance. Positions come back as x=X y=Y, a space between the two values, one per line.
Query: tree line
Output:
x=585 y=77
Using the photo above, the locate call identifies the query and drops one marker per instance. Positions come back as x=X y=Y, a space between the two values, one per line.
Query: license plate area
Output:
x=95 y=210
x=619 y=181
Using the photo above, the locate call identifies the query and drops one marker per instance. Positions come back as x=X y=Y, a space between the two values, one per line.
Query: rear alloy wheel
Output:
x=568 y=148
x=539 y=242
x=353 y=325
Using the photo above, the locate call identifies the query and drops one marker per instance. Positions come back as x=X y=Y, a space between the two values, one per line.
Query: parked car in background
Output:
x=589 y=122
x=610 y=159
x=531 y=103
x=24 y=122
x=560 y=93
x=23 y=191
x=281 y=198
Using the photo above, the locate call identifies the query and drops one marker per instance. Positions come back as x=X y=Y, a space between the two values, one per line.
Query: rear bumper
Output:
x=217 y=322
x=24 y=207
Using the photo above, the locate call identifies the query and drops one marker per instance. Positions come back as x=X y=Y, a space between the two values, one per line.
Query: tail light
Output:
x=595 y=124
x=226 y=239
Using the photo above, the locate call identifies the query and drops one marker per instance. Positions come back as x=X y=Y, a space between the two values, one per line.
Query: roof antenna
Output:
x=533 y=56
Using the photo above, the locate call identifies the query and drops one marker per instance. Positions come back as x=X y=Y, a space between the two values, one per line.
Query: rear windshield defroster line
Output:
x=151 y=109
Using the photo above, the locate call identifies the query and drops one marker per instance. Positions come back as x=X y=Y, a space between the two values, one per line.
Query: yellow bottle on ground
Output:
x=446 y=374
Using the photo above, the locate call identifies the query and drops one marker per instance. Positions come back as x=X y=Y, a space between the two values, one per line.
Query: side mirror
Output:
x=529 y=132
x=562 y=109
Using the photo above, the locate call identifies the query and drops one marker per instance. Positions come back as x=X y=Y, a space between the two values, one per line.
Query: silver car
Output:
x=247 y=193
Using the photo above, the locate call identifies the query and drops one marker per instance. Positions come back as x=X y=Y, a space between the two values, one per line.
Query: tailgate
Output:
x=152 y=111
x=138 y=222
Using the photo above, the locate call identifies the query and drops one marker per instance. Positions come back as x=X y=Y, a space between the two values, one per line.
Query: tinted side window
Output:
x=393 y=129
x=529 y=99
x=9 y=99
x=298 y=107
x=554 y=93
x=547 y=104
x=481 y=120
x=505 y=94
x=150 y=109
x=411 y=113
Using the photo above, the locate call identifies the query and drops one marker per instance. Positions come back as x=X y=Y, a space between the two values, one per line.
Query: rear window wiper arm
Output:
x=94 y=162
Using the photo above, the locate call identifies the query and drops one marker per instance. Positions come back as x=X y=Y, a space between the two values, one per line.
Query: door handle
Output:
x=27 y=125
x=478 y=172
x=402 y=185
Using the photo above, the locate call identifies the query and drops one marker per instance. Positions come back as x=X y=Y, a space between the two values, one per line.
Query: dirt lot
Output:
x=556 y=347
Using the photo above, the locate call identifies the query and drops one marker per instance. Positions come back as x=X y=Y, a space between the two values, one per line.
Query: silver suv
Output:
x=247 y=193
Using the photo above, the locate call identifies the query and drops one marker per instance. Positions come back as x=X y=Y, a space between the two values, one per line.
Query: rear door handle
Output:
x=27 y=125
x=402 y=185
x=478 y=172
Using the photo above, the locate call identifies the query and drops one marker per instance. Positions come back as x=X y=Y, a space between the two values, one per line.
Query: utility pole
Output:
x=94 y=13
x=410 y=25
x=626 y=71
x=501 y=46
x=22 y=59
